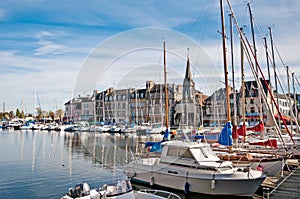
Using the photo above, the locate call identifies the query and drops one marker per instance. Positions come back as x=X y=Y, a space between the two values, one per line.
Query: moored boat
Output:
x=120 y=190
x=194 y=167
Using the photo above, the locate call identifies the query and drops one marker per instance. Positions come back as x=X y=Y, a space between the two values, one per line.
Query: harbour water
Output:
x=42 y=164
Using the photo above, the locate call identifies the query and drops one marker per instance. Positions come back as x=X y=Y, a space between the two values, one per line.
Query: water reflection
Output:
x=110 y=150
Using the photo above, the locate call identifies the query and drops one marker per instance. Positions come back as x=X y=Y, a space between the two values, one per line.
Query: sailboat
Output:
x=271 y=164
x=193 y=167
x=156 y=146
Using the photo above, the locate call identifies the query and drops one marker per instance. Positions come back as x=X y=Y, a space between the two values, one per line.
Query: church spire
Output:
x=188 y=82
x=188 y=74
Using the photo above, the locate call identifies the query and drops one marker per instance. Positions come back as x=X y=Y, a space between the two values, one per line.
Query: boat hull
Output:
x=204 y=181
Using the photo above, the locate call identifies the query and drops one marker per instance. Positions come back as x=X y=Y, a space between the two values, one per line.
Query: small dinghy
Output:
x=120 y=190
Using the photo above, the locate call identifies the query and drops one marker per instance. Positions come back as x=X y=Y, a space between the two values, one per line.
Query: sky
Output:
x=51 y=51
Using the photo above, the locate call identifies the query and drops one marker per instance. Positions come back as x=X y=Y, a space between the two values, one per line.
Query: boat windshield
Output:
x=208 y=152
x=179 y=152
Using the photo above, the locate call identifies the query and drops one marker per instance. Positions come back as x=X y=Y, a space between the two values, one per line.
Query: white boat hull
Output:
x=204 y=182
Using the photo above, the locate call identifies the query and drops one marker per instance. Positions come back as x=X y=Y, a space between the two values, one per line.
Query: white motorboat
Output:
x=121 y=190
x=194 y=167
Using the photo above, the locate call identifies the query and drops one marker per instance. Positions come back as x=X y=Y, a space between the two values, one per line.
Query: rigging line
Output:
x=255 y=73
x=248 y=48
x=193 y=27
x=272 y=97
x=297 y=81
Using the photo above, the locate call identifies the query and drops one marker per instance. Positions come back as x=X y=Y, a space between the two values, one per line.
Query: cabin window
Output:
x=185 y=153
x=172 y=151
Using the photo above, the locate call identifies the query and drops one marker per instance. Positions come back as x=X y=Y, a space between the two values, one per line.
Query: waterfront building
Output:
x=137 y=108
x=215 y=109
x=79 y=109
x=113 y=105
x=155 y=102
x=187 y=110
x=187 y=106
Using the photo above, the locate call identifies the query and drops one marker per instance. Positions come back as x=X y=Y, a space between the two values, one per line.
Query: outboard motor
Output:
x=85 y=189
x=82 y=189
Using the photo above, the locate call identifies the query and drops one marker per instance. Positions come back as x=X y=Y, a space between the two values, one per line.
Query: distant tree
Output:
x=60 y=113
x=6 y=116
x=22 y=114
x=18 y=114
x=38 y=115
x=51 y=114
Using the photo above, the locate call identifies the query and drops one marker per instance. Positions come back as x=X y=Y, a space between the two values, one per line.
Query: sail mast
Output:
x=243 y=87
x=225 y=62
x=256 y=67
x=166 y=89
x=274 y=68
x=232 y=68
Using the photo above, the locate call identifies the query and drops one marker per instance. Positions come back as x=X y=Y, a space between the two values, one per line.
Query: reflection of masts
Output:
x=22 y=146
x=33 y=153
x=94 y=149
x=114 y=156
x=102 y=151
x=70 y=155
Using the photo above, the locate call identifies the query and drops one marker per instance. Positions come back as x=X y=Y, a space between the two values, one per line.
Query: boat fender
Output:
x=151 y=181
x=186 y=188
x=213 y=184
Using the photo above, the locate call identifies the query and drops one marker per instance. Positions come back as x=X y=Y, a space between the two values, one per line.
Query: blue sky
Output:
x=45 y=45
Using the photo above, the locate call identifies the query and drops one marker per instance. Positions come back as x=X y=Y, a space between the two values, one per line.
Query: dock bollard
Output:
x=266 y=193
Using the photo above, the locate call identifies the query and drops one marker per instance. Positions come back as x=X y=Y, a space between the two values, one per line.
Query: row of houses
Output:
x=187 y=106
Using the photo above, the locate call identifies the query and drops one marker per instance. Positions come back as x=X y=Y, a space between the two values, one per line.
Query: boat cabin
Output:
x=195 y=154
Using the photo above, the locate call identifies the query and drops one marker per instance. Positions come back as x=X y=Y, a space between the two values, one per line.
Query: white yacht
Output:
x=194 y=167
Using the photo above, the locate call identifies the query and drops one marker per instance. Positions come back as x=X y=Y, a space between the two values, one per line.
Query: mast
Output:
x=166 y=89
x=225 y=62
x=256 y=65
x=243 y=85
x=295 y=100
x=289 y=95
x=268 y=66
x=274 y=68
x=232 y=68
x=103 y=108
